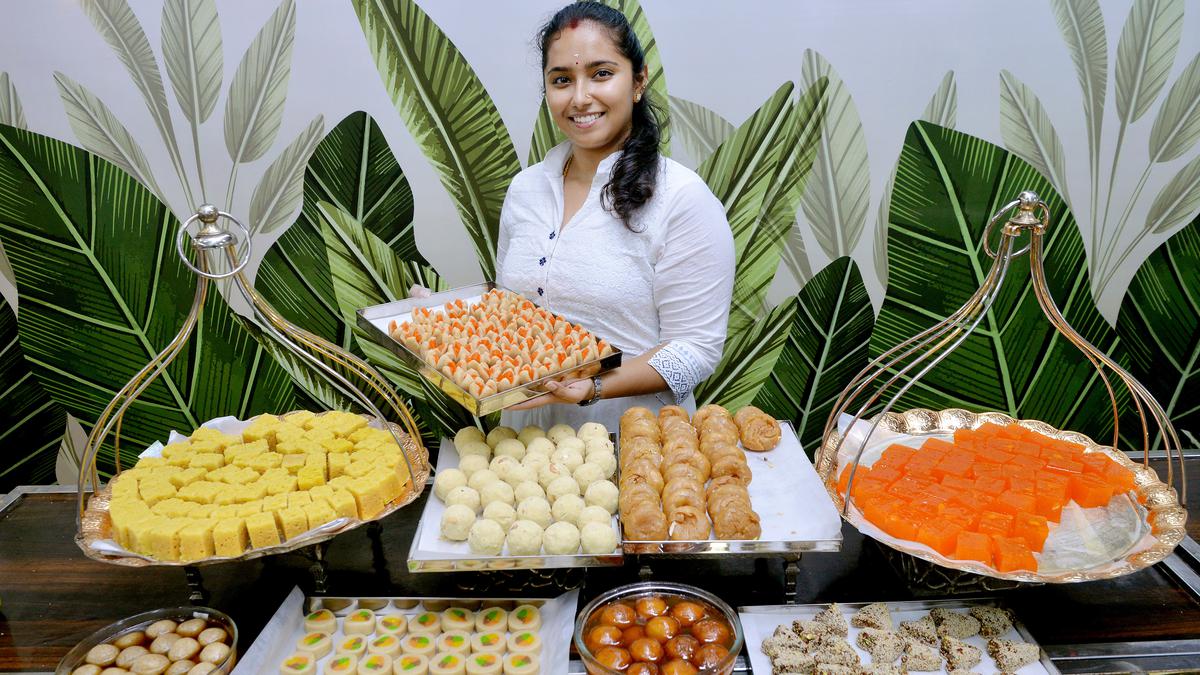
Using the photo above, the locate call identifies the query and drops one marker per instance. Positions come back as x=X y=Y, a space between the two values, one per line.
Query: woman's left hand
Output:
x=559 y=392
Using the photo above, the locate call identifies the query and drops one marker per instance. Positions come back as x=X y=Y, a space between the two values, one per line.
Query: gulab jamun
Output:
x=630 y=634
x=646 y=649
x=678 y=667
x=618 y=614
x=663 y=628
x=614 y=657
x=710 y=656
x=602 y=636
x=681 y=647
x=709 y=631
x=643 y=669
x=688 y=613
x=648 y=608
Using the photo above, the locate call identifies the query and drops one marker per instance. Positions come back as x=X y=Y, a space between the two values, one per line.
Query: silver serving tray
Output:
x=788 y=466
x=786 y=613
x=423 y=557
x=374 y=321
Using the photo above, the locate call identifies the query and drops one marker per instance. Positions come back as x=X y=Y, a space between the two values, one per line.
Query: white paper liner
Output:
x=1093 y=539
x=431 y=545
x=759 y=625
x=226 y=425
x=277 y=641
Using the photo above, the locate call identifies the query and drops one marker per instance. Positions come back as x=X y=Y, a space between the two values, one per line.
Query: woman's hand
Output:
x=559 y=392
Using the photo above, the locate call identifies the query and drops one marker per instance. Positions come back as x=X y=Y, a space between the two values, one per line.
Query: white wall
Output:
x=728 y=56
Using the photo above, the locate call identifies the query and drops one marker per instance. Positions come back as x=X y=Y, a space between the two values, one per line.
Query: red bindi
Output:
x=574 y=23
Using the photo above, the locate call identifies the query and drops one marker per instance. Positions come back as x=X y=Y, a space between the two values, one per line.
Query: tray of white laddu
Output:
x=529 y=499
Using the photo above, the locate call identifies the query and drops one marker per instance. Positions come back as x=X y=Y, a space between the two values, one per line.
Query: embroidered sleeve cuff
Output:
x=679 y=367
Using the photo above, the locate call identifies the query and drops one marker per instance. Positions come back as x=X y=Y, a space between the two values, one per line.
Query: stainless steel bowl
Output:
x=74 y=658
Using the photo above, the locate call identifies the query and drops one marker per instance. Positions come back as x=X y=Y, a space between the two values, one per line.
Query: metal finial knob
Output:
x=1028 y=199
x=207 y=213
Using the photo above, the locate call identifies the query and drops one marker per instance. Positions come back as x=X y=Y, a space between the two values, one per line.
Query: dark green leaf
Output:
x=31 y=423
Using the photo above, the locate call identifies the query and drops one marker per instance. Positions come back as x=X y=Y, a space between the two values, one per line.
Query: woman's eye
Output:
x=602 y=73
x=561 y=79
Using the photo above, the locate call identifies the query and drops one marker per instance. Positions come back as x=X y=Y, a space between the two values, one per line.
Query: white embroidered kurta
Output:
x=667 y=283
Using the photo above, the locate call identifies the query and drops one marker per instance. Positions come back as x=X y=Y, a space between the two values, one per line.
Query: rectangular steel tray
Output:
x=757 y=620
x=424 y=557
x=374 y=321
x=792 y=474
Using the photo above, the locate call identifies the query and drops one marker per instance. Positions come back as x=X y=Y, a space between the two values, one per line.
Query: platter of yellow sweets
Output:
x=243 y=489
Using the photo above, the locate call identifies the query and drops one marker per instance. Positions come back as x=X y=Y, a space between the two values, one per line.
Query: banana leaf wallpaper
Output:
x=369 y=145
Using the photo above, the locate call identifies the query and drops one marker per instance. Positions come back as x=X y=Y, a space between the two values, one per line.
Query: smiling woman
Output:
x=610 y=234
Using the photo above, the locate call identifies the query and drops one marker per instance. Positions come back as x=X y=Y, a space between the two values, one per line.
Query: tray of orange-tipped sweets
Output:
x=486 y=347
x=1006 y=498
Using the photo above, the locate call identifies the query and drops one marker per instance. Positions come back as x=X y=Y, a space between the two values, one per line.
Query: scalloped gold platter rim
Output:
x=1164 y=515
x=96 y=524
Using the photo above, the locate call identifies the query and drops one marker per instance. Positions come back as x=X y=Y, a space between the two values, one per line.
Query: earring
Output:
x=637 y=97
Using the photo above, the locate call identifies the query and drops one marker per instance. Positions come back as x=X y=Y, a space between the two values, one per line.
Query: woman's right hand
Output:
x=419 y=291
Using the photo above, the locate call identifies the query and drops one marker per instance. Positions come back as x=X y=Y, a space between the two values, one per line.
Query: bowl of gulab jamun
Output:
x=658 y=628
x=175 y=641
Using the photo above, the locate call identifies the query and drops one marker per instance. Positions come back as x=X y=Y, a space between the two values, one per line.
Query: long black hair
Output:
x=631 y=183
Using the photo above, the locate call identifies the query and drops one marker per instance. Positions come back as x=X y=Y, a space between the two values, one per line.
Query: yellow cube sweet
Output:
x=202 y=511
x=280 y=486
x=154 y=491
x=265 y=461
x=367 y=456
x=320 y=435
x=226 y=497
x=262 y=529
x=251 y=492
x=368 y=496
x=196 y=540
x=164 y=539
x=299 y=499
x=261 y=428
x=124 y=485
x=172 y=507
x=230 y=537
x=318 y=513
x=275 y=502
x=243 y=476
x=201 y=491
x=292 y=521
x=186 y=477
x=139 y=538
x=320 y=492
x=248 y=509
x=208 y=447
x=123 y=513
x=337 y=465
x=300 y=418
x=207 y=460
x=225 y=511
x=293 y=463
x=181 y=459
x=171 y=449
x=343 y=504
x=389 y=483
x=343 y=423
x=213 y=436
x=309 y=477
x=334 y=445
x=358 y=469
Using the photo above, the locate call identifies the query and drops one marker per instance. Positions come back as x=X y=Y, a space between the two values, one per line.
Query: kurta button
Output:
x=542 y=261
x=551 y=235
x=540 y=291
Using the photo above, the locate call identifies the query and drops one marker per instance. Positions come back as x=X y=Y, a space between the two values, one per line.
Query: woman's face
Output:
x=590 y=87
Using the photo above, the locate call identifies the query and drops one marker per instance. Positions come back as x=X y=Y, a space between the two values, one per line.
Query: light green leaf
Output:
x=254 y=109
x=795 y=255
x=448 y=112
x=102 y=133
x=354 y=168
x=947 y=186
x=701 y=130
x=757 y=257
x=366 y=273
x=546 y=134
x=192 y=53
x=11 y=112
x=836 y=199
x=119 y=26
x=1082 y=25
x=942 y=108
x=1159 y=325
x=1028 y=131
x=1145 y=54
x=826 y=347
x=31 y=423
x=102 y=291
x=1177 y=125
x=1177 y=201
x=748 y=360
x=281 y=190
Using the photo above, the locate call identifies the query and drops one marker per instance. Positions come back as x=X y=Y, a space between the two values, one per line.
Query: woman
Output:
x=613 y=236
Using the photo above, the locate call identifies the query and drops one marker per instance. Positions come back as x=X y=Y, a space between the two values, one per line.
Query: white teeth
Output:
x=586 y=119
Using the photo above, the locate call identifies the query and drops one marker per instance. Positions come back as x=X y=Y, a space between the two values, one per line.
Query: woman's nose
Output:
x=581 y=97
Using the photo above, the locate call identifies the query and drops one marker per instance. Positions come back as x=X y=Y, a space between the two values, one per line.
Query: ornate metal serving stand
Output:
x=894 y=372
x=214 y=248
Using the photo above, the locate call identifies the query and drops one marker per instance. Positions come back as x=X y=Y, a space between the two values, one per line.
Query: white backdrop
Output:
x=727 y=56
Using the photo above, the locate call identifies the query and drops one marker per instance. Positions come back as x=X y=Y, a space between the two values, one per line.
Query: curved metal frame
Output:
x=932 y=346
x=312 y=350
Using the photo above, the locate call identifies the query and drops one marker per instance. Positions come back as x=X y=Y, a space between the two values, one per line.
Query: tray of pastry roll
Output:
x=533 y=499
x=916 y=636
x=486 y=347
x=718 y=483
x=435 y=636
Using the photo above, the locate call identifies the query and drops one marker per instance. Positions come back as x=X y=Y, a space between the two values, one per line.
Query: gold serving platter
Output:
x=96 y=524
x=1158 y=503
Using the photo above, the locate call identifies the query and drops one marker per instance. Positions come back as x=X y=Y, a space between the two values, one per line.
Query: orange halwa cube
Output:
x=1013 y=503
x=1032 y=528
x=989 y=430
x=1088 y=490
x=1012 y=555
x=957 y=483
x=995 y=524
x=939 y=535
x=973 y=546
x=991 y=486
x=960 y=515
x=903 y=523
x=1119 y=477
